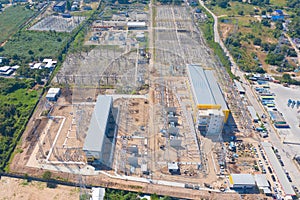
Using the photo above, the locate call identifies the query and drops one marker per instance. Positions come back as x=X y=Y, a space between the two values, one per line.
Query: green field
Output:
x=27 y=46
x=17 y=100
x=10 y=20
x=233 y=9
x=278 y=2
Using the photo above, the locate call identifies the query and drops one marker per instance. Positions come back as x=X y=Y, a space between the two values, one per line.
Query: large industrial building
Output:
x=98 y=143
x=213 y=111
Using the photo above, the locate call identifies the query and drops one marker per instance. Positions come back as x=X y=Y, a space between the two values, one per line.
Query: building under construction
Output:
x=212 y=108
x=98 y=143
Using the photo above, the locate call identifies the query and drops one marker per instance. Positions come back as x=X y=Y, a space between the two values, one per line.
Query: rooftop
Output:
x=239 y=86
x=4 y=69
x=98 y=193
x=205 y=87
x=252 y=112
x=210 y=112
x=54 y=90
x=36 y=66
x=173 y=166
x=139 y=24
x=47 y=60
x=241 y=179
x=261 y=180
x=62 y=3
x=96 y=132
x=276 y=116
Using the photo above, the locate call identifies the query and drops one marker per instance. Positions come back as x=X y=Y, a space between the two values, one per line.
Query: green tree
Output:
x=154 y=196
x=279 y=25
x=47 y=175
x=68 y=5
x=266 y=22
x=274 y=59
x=30 y=52
x=257 y=41
x=286 y=77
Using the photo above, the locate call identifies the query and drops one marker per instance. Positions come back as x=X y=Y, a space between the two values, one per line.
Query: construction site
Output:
x=154 y=125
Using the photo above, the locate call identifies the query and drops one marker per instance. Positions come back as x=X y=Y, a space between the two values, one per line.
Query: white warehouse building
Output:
x=98 y=143
x=212 y=108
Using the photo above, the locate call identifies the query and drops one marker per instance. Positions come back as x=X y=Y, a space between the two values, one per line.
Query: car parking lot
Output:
x=290 y=114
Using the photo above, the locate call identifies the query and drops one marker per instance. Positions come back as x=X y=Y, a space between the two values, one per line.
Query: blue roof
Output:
x=279 y=12
x=277 y=17
x=96 y=132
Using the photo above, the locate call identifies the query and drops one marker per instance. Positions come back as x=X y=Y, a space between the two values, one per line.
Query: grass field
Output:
x=28 y=45
x=278 y=2
x=233 y=9
x=11 y=19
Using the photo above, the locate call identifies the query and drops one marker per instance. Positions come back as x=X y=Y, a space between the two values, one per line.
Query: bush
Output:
x=274 y=59
x=257 y=41
x=47 y=175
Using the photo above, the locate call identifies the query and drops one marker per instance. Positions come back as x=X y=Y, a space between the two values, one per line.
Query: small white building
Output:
x=239 y=87
x=36 y=66
x=173 y=168
x=211 y=121
x=262 y=183
x=6 y=71
x=49 y=63
x=136 y=25
x=53 y=94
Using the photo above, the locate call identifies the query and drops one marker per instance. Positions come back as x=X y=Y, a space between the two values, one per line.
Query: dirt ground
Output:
x=11 y=188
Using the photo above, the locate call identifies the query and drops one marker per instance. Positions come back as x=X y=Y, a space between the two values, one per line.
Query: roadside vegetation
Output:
x=11 y=19
x=208 y=32
x=257 y=41
x=17 y=100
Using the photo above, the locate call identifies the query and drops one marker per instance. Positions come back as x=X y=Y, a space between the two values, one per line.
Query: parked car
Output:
x=273 y=178
x=270 y=170
x=281 y=162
